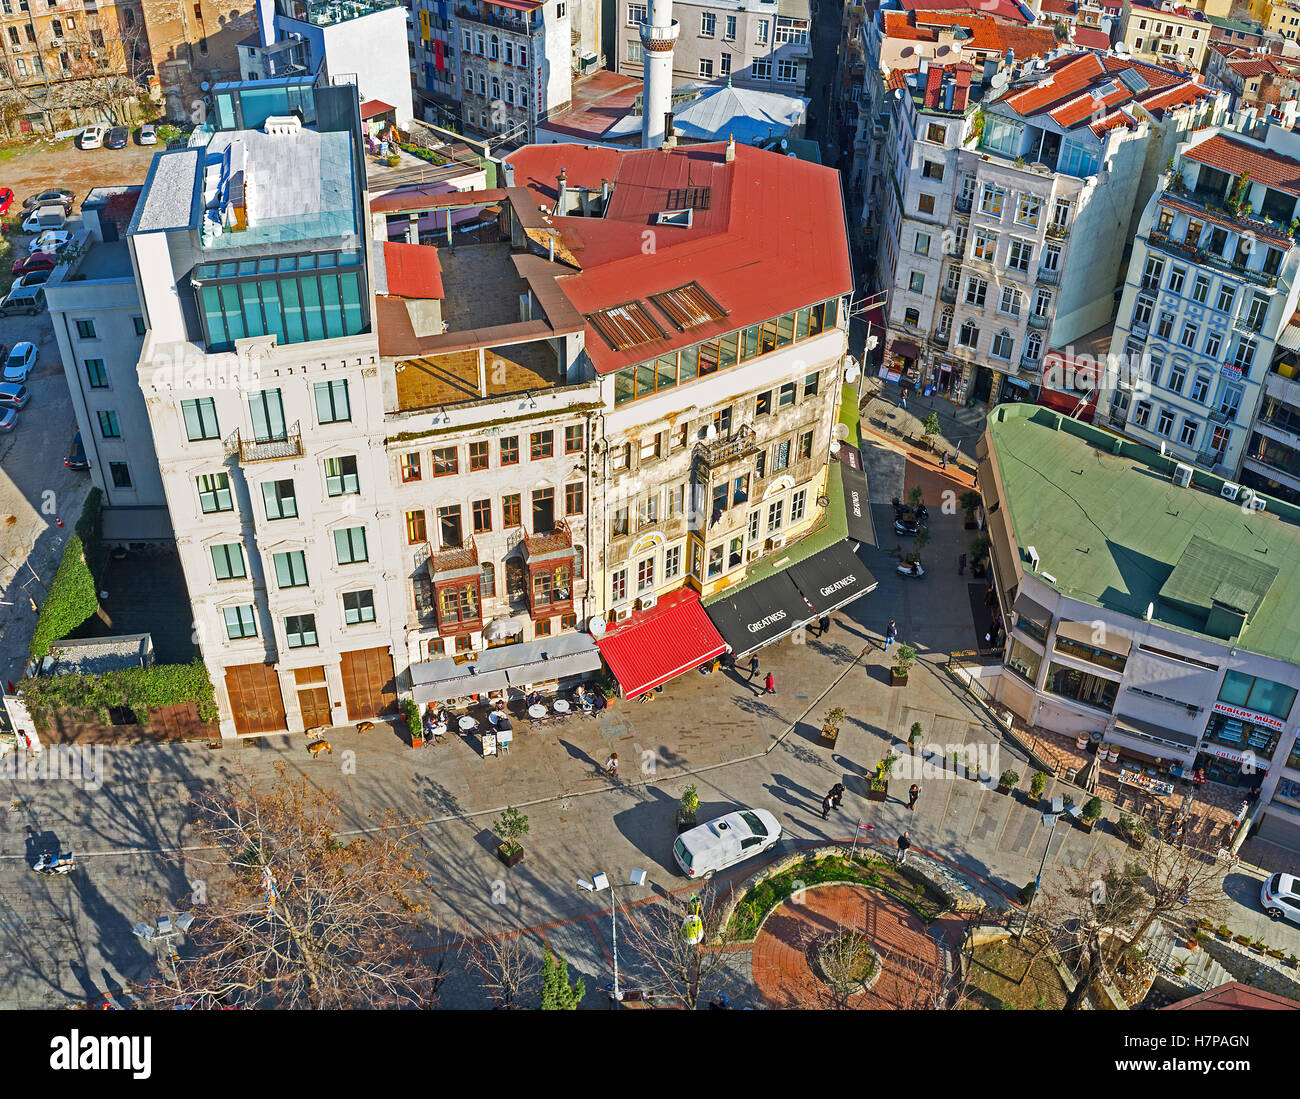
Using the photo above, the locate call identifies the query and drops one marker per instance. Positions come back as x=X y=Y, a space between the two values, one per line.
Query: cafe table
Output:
x=467 y=723
x=560 y=706
x=537 y=711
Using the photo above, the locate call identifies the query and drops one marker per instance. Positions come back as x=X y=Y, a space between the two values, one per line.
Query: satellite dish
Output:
x=835 y=446
x=1151 y=609
x=998 y=80
x=841 y=431
x=595 y=625
x=711 y=432
x=205 y=86
x=1120 y=47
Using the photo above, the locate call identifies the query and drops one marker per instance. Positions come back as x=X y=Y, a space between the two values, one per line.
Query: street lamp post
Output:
x=1049 y=821
x=165 y=934
x=599 y=882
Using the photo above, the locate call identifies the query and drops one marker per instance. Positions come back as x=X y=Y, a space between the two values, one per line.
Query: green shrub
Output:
x=90 y=529
x=1009 y=777
x=1038 y=784
x=1092 y=810
x=511 y=826
x=137 y=689
x=72 y=599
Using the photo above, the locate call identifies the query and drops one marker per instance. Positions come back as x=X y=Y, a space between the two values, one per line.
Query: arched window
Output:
x=489 y=580
x=1002 y=345
x=494 y=48
x=523 y=95
x=469 y=80
x=1033 y=346
x=969 y=336
x=482 y=84
x=945 y=321
x=496 y=87
x=510 y=93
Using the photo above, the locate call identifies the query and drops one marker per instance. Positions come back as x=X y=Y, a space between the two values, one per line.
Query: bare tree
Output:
x=509 y=963
x=924 y=984
x=840 y=959
x=1181 y=884
x=293 y=916
x=666 y=959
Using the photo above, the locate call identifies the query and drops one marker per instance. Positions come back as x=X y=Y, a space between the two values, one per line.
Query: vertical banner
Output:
x=424 y=25
x=439 y=58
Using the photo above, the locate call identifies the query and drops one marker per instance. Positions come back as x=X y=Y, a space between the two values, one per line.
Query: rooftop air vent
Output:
x=283 y=125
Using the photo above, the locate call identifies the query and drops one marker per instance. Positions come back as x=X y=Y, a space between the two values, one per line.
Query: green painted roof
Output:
x=1236 y=24
x=1114 y=530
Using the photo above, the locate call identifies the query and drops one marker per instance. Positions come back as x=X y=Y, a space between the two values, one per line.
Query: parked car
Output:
x=37 y=261
x=14 y=395
x=148 y=134
x=1280 y=896
x=44 y=218
x=35 y=278
x=92 y=137
x=23 y=299
x=708 y=848
x=55 y=196
x=20 y=362
x=117 y=138
x=8 y=419
x=52 y=240
x=6 y=200
x=76 y=458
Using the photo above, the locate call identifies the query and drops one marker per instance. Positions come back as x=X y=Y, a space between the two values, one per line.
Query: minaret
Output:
x=657 y=39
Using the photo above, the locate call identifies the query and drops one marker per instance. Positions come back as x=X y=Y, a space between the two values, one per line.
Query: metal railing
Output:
x=714 y=452
x=1036 y=321
x=264 y=450
x=455 y=557
x=1051 y=278
x=492 y=19
x=558 y=538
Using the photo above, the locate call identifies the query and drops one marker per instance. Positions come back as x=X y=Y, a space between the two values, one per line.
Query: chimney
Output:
x=550 y=250
x=508 y=170
x=604 y=190
x=731 y=148
x=670 y=135
x=562 y=192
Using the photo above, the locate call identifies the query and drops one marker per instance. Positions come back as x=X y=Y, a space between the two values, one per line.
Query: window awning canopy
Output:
x=759 y=614
x=831 y=579
x=1095 y=636
x=541 y=661
x=657 y=645
x=856 y=508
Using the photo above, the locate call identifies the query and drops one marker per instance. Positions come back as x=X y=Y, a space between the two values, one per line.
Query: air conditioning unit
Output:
x=618 y=614
x=1256 y=502
x=56 y=42
x=1182 y=474
x=777 y=541
x=15 y=49
x=645 y=602
x=753 y=553
x=94 y=53
x=1229 y=491
x=1033 y=557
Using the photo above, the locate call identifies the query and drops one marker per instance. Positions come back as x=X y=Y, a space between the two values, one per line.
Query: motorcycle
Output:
x=908 y=568
x=52 y=863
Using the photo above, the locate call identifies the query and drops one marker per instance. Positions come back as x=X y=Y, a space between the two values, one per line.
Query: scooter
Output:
x=906 y=568
x=55 y=862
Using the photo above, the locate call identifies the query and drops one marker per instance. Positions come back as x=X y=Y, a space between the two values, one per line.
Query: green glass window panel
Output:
x=727 y=347
x=293 y=328
x=210 y=303
x=288 y=263
x=331 y=305
x=832 y=312
x=350 y=259
x=271 y=308
x=267 y=412
x=645 y=378
x=801 y=324
x=311 y=310
x=230 y=306
x=207 y=271
x=291 y=569
x=247 y=267
x=785 y=329
x=749 y=342
x=228 y=561
x=350 y=545
x=200 y=418
x=227 y=269
x=352 y=319
x=225 y=111
x=689 y=368
x=328 y=259
x=252 y=309
x=1236 y=688
x=624 y=385
x=306 y=263
x=666 y=369
x=266 y=266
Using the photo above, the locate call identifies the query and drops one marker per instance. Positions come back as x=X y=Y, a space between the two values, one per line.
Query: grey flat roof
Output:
x=92 y=656
x=106 y=260
x=169 y=192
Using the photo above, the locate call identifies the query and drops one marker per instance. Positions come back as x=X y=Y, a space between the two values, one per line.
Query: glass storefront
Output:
x=1091 y=690
x=1032 y=628
x=1261 y=695
x=1242 y=735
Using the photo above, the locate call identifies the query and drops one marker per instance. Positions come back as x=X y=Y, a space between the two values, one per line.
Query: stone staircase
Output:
x=1168 y=952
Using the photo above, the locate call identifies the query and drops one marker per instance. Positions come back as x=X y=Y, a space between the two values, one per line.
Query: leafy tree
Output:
x=557 y=993
x=930 y=425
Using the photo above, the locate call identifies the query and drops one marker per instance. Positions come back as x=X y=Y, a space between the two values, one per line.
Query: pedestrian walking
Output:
x=943 y=460
x=826 y=806
x=902 y=401
x=836 y=795
x=891 y=632
x=753 y=667
x=912 y=795
x=611 y=765
x=769 y=684
x=903 y=844
x=823 y=624
x=961 y=565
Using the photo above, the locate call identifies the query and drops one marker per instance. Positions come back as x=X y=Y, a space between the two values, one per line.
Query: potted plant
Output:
x=1038 y=784
x=394 y=160
x=903 y=661
x=1223 y=931
x=970 y=500
x=831 y=726
x=914 y=737
x=1292 y=961
x=411 y=712
x=1241 y=940
x=1180 y=970
x=510 y=826
x=1007 y=781
x=929 y=429
x=1275 y=954
x=1258 y=946
x=979 y=552
x=687 y=807
x=1091 y=813
x=1131 y=830
x=879 y=788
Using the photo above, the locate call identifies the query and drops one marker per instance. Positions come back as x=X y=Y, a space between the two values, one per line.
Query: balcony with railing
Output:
x=489 y=17
x=1049 y=277
x=1223 y=415
x=1249 y=325
x=1037 y=320
x=1180 y=249
x=948 y=294
x=1277 y=384
x=712 y=453
x=452 y=559
x=1058 y=232
x=1030 y=362
x=941 y=337
x=963 y=205
x=264 y=450
x=331 y=12
x=557 y=541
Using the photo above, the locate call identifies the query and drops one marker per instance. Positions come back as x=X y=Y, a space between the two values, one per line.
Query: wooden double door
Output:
x=313 y=697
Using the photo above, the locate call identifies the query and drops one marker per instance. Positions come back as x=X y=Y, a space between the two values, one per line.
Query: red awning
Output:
x=375 y=107
x=660 y=644
x=906 y=348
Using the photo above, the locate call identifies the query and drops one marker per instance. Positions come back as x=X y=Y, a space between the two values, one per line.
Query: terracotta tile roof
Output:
x=897 y=79
x=1235 y=157
x=990 y=33
x=1255 y=66
x=1059 y=7
x=412 y=270
x=1179 y=95
x=1090 y=38
x=1004 y=9
x=898 y=24
x=961 y=86
x=1067 y=77
x=1235 y=996
x=771 y=240
x=934 y=87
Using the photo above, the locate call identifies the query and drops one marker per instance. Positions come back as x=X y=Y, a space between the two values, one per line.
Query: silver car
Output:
x=8 y=420
x=14 y=395
x=1280 y=896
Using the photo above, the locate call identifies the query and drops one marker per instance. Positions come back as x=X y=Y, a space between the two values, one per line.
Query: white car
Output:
x=148 y=135
x=92 y=137
x=21 y=361
x=52 y=240
x=703 y=851
x=1280 y=896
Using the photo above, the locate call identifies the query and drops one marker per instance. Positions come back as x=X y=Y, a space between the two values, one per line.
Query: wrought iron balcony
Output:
x=962 y=205
x=1050 y=278
x=452 y=558
x=1029 y=362
x=941 y=338
x=557 y=540
x=1223 y=416
x=264 y=450
x=949 y=295
x=491 y=18
x=1036 y=321
x=1058 y=232
x=1245 y=324
x=741 y=443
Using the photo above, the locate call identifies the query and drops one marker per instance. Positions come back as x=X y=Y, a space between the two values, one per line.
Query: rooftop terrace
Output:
x=1111 y=527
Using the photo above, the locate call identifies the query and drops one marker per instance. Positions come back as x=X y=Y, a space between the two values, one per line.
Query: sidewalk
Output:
x=960 y=427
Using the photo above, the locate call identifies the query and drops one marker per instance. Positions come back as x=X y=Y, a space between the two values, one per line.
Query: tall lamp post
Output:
x=166 y=934
x=599 y=882
x=1049 y=822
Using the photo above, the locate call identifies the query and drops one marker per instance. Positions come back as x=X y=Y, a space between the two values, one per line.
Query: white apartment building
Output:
x=1210 y=289
x=99 y=326
x=1031 y=211
x=764 y=45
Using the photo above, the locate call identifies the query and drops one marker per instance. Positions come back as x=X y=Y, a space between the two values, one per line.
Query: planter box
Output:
x=878 y=795
x=511 y=859
x=828 y=737
x=896 y=680
x=685 y=822
x=1222 y=937
x=1087 y=825
x=1005 y=790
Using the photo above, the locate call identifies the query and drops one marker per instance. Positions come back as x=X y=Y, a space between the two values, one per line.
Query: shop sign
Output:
x=1249 y=715
x=1223 y=753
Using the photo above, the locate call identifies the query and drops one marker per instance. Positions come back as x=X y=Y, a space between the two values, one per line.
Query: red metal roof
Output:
x=772 y=240
x=412 y=270
x=1236 y=157
x=1235 y=996
x=1003 y=9
x=374 y=107
x=660 y=644
x=1090 y=38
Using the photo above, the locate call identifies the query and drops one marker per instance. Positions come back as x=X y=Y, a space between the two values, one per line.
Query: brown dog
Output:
x=365 y=726
x=318 y=747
